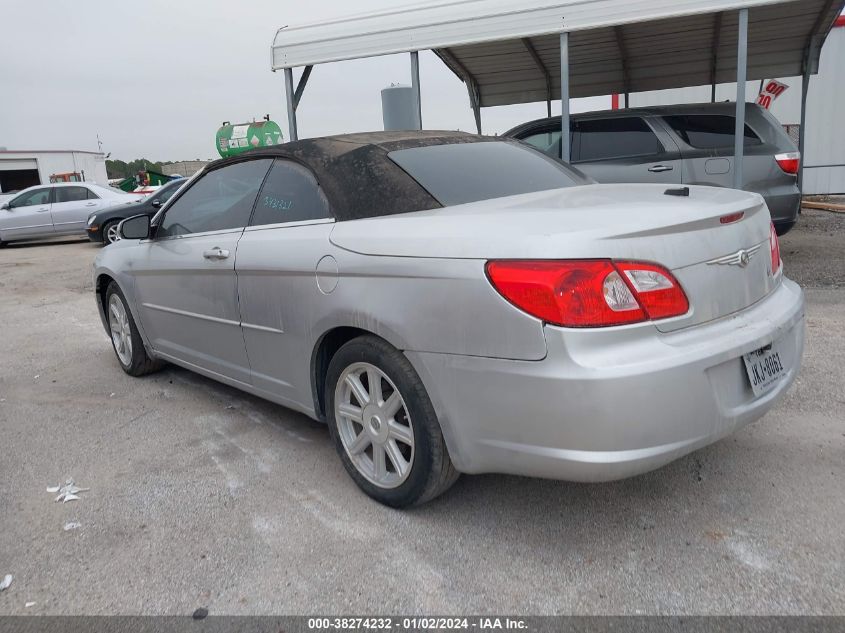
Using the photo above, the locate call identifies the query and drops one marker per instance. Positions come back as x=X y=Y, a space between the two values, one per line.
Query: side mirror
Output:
x=5 y=207
x=135 y=228
x=156 y=204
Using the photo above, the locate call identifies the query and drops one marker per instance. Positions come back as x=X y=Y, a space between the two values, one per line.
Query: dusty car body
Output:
x=468 y=300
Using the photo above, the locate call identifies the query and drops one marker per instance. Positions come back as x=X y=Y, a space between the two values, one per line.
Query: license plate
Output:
x=765 y=368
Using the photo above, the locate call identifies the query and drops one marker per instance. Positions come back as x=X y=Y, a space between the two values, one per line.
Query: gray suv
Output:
x=680 y=144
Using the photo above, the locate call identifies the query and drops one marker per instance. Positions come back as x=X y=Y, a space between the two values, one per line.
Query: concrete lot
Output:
x=205 y=497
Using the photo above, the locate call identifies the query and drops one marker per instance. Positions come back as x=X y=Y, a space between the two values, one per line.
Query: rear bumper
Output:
x=608 y=404
x=782 y=227
x=783 y=206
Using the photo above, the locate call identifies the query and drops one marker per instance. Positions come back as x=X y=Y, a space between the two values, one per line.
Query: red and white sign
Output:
x=772 y=89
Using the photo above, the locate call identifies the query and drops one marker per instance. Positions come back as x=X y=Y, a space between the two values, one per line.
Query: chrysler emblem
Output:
x=741 y=258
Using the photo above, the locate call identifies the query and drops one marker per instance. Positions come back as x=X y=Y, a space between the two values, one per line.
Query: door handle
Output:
x=659 y=168
x=43 y=209
x=90 y=204
x=216 y=253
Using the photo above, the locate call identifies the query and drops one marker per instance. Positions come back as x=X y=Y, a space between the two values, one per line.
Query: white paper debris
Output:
x=7 y=580
x=36 y=376
x=72 y=525
x=29 y=604
x=111 y=395
x=67 y=492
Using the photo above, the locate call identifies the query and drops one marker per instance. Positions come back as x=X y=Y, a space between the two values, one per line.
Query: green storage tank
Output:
x=233 y=139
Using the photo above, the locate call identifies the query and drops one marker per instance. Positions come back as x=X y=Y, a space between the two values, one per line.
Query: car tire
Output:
x=369 y=433
x=126 y=341
x=109 y=232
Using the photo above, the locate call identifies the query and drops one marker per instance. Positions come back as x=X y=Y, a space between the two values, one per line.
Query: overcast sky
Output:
x=156 y=79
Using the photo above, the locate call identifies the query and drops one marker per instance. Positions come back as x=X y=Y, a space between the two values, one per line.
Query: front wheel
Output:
x=127 y=343
x=384 y=426
x=110 y=233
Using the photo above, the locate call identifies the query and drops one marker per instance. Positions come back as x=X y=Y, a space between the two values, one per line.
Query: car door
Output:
x=185 y=285
x=625 y=149
x=27 y=215
x=71 y=207
x=277 y=259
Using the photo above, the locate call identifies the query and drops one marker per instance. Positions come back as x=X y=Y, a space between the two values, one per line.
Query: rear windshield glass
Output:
x=467 y=172
x=709 y=131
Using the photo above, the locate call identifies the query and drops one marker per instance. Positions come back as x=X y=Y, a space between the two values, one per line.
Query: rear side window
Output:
x=614 y=138
x=708 y=131
x=221 y=199
x=467 y=172
x=92 y=195
x=71 y=194
x=546 y=142
x=290 y=194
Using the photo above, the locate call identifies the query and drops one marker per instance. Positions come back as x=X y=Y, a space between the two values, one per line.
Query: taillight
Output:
x=656 y=289
x=733 y=217
x=774 y=246
x=789 y=162
x=589 y=293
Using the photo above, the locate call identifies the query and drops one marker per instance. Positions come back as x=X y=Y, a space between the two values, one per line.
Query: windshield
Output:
x=169 y=189
x=467 y=172
x=164 y=191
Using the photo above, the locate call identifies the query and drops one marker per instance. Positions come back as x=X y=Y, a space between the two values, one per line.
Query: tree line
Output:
x=122 y=169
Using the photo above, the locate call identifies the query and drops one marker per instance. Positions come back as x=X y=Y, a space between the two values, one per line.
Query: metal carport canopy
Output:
x=509 y=52
x=543 y=50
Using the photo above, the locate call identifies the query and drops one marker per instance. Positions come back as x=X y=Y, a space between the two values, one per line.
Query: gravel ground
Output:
x=202 y=496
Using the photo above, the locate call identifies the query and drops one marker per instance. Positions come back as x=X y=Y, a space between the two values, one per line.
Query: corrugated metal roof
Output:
x=614 y=45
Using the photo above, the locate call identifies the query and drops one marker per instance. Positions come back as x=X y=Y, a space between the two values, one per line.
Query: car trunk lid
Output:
x=686 y=234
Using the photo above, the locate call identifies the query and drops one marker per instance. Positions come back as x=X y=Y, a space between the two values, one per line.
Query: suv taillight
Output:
x=589 y=293
x=789 y=162
x=774 y=247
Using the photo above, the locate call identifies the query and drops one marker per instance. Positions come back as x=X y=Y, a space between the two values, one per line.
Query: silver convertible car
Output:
x=450 y=303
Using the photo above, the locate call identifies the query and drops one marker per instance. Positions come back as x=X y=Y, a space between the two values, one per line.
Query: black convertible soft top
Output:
x=356 y=173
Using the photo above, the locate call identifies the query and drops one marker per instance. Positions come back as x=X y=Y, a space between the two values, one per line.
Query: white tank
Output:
x=398 y=108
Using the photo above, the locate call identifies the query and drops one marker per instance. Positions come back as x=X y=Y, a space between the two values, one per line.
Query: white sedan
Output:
x=55 y=209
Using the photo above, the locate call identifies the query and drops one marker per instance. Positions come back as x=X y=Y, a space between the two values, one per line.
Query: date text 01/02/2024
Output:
x=417 y=623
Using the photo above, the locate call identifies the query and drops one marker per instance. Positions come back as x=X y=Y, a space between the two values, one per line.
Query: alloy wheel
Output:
x=112 y=234
x=374 y=425
x=121 y=330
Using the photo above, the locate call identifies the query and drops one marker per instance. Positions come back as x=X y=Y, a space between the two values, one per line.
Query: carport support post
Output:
x=415 y=85
x=564 y=97
x=802 y=132
x=291 y=107
x=741 y=74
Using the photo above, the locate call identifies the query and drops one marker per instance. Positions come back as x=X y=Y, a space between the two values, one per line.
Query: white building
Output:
x=186 y=168
x=20 y=169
